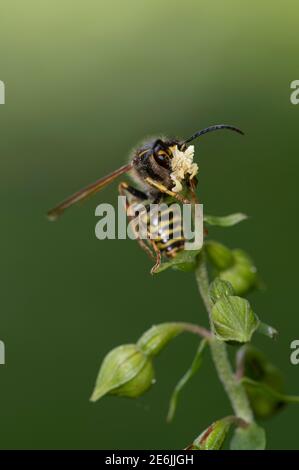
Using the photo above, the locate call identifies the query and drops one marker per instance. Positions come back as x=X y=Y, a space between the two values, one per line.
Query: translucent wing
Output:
x=89 y=190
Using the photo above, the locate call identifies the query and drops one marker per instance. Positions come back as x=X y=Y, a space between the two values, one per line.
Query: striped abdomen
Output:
x=165 y=228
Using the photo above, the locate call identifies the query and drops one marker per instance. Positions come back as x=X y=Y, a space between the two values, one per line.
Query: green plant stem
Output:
x=197 y=330
x=232 y=386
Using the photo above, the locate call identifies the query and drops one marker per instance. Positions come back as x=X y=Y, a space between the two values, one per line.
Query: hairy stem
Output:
x=232 y=386
x=197 y=330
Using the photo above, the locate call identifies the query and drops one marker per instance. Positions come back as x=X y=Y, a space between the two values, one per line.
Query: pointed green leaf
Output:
x=225 y=221
x=251 y=437
x=196 y=364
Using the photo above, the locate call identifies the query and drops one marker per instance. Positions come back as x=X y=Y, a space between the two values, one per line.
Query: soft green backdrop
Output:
x=85 y=81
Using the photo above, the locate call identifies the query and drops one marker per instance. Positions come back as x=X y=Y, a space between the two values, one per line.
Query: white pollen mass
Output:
x=182 y=165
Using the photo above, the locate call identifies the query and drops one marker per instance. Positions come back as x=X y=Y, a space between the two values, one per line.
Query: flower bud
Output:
x=125 y=371
x=213 y=437
x=219 y=255
x=233 y=319
x=219 y=288
x=158 y=336
x=259 y=369
x=242 y=274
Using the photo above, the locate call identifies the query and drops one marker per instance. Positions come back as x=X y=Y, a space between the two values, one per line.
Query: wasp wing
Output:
x=86 y=192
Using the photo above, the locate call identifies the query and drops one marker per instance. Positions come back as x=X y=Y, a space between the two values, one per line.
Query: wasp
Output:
x=164 y=170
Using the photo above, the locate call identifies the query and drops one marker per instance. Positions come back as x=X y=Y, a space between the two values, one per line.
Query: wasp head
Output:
x=169 y=162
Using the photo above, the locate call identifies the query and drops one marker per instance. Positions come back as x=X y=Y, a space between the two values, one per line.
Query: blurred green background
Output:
x=85 y=81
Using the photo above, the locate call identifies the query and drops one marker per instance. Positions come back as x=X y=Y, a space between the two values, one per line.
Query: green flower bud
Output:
x=219 y=288
x=213 y=437
x=233 y=319
x=158 y=336
x=258 y=368
x=242 y=274
x=126 y=371
x=219 y=255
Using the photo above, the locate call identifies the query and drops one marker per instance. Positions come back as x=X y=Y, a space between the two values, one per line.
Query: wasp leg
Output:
x=196 y=201
x=123 y=189
x=158 y=257
x=160 y=187
x=192 y=191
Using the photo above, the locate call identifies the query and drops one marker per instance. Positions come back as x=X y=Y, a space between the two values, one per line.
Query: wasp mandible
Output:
x=162 y=168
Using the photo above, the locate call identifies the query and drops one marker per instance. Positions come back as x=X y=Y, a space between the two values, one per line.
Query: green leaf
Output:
x=251 y=437
x=196 y=364
x=225 y=221
x=184 y=261
x=158 y=336
x=233 y=319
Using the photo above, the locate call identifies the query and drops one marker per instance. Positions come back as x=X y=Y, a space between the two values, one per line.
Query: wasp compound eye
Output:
x=162 y=159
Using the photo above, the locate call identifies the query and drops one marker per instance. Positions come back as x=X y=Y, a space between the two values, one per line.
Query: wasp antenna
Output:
x=211 y=129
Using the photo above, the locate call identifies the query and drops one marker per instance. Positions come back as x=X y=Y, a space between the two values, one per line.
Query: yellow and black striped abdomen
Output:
x=166 y=230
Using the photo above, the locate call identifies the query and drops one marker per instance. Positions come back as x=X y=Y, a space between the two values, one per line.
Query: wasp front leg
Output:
x=193 y=184
x=124 y=189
